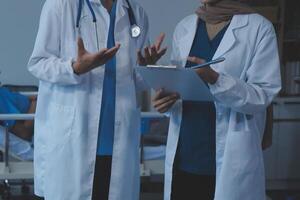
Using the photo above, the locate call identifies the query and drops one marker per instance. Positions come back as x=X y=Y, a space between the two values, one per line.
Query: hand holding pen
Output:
x=203 y=69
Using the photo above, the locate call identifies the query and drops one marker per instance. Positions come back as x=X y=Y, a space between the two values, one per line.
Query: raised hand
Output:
x=152 y=53
x=88 y=61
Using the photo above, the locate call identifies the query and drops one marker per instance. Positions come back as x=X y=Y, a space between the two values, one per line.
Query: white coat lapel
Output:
x=229 y=38
x=122 y=7
x=186 y=41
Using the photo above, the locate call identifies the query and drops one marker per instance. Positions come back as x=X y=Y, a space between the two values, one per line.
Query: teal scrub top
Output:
x=107 y=115
x=197 y=142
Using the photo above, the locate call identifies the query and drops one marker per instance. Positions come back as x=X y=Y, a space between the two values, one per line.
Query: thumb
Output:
x=81 y=48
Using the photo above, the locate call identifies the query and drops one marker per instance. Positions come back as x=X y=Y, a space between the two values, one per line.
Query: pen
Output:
x=218 y=60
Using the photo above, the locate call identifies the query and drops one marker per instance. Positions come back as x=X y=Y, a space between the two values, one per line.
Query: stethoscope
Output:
x=135 y=30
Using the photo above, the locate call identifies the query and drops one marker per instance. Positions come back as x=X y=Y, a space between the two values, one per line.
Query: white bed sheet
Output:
x=154 y=153
x=18 y=147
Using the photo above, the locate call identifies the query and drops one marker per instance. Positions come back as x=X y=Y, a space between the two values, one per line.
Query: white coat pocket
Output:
x=61 y=119
x=243 y=149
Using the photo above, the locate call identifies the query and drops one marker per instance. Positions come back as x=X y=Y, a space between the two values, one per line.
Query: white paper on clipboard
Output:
x=181 y=80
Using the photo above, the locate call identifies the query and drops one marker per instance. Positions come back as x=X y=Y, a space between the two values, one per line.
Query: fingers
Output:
x=108 y=51
x=162 y=52
x=141 y=59
x=160 y=40
x=147 y=52
x=118 y=45
x=196 y=60
x=162 y=102
x=106 y=54
x=81 y=48
x=154 y=52
x=109 y=55
x=101 y=53
x=152 y=55
x=166 y=106
x=158 y=94
x=113 y=51
x=147 y=55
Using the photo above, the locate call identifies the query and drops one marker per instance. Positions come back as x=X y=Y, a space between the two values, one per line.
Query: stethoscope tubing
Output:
x=132 y=19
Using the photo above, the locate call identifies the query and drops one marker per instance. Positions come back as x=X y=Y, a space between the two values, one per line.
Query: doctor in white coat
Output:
x=243 y=86
x=71 y=73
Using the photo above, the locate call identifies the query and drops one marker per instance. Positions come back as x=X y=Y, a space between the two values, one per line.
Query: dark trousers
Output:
x=38 y=198
x=102 y=178
x=192 y=186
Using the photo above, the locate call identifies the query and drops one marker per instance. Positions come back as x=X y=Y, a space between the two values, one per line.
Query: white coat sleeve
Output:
x=263 y=79
x=45 y=62
x=144 y=42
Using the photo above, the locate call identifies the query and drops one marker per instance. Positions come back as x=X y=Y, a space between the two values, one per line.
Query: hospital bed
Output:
x=17 y=149
x=15 y=169
x=153 y=145
x=154 y=129
x=10 y=170
x=16 y=165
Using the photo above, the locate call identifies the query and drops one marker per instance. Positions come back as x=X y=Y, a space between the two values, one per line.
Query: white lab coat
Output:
x=68 y=110
x=249 y=80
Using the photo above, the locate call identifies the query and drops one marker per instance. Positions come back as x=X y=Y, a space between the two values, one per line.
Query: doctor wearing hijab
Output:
x=87 y=120
x=214 y=149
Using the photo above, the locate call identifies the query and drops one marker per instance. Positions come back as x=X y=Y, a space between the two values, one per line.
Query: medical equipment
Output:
x=16 y=166
x=11 y=170
x=152 y=162
x=16 y=169
x=153 y=145
x=154 y=129
x=135 y=29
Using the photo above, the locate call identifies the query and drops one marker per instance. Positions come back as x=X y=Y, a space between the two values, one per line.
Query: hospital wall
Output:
x=19 y=23
x=164 y=15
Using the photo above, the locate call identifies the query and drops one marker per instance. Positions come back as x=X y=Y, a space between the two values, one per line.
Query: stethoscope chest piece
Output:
x=135 y=31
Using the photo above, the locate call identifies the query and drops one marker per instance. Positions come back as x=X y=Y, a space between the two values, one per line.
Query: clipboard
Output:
x=184 y=81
